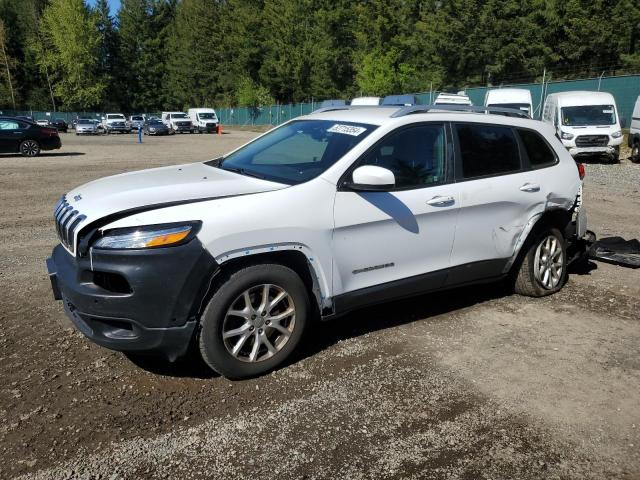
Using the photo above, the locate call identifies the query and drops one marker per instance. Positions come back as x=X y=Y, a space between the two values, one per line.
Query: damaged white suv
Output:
x=327 y=213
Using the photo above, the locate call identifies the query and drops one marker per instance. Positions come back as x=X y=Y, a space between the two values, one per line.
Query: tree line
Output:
x=171 y=54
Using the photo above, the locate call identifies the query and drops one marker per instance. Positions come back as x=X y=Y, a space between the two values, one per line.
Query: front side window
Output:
x=588 y=115
x=538 y=151
x=415 y=155
x=297 y=151
x=178 y=115
x=207 y=116
x=487 y=150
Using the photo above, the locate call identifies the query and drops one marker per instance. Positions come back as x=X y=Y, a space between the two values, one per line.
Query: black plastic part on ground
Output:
x=617 y=250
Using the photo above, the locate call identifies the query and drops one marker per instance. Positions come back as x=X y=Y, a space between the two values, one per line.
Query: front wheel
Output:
x=635 y=153
x=255 y=321
x=29 y=148
x=543 y=270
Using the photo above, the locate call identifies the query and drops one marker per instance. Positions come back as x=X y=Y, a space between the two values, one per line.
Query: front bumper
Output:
x=134 y=300
x=588 y=151
x=209 y=128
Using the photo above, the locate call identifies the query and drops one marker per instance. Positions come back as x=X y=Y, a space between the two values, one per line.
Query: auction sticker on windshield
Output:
x=347 y=129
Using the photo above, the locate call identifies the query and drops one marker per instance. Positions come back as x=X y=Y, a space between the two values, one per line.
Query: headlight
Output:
x=151 y=236
x=617 y=134
x=151 y=129
x=566 y=136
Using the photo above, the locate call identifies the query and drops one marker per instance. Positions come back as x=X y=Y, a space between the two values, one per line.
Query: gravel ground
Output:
x=473 y=383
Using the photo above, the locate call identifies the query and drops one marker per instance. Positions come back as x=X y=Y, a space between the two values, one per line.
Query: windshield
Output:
x=178 y=115
x=115 y=117
x=137 y=119
x=588 y=115
x=298 y=151
x=207 y=116
x=85 y=122
x=516 y=106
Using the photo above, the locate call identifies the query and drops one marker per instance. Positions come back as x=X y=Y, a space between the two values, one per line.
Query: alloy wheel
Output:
x=259 y=323
x=29 y=148
x=549 y=262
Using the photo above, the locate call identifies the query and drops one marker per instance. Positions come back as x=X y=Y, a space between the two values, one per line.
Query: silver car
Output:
x=86 y=126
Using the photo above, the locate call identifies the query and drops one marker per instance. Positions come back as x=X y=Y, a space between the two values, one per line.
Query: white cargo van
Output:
x=634 y=133
x=204 y=119
x=177 y=122
x=459 y=98
x=365 y=101
x=516 y=98
x=586 y=122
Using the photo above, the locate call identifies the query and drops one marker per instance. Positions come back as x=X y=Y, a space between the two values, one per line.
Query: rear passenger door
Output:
x=499 y=193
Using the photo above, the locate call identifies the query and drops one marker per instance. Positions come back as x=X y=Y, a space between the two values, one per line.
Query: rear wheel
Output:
x=29 y=148
x=543 y=270
x=635 y=152
x=255 y=321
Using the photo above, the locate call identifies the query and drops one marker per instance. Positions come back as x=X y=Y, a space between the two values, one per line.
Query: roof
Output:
x=582 y=97
x=385 y=115
x=509 y=95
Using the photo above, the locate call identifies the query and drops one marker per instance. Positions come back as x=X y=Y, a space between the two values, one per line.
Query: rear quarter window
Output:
x=539 y=152
x=487 y=150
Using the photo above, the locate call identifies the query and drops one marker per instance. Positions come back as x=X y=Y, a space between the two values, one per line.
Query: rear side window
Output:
x=487 y=150
x=538 y=151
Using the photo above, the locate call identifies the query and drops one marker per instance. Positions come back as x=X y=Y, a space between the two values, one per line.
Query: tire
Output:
x=29 y=148
x=250 y=324
x=530 y=279
x=635 y=153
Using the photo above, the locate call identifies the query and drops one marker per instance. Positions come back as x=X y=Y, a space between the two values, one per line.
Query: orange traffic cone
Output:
x=219 y=129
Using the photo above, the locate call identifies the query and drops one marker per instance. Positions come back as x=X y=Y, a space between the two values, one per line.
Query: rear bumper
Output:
x=51 y=143
x=135 y=301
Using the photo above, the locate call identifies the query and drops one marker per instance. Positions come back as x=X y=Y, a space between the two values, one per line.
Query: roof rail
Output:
x=509 y=112
x=332 y=109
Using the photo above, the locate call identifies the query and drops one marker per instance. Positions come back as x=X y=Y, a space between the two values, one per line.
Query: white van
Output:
x=586 y=122
x=634 y=133
x=322 y=215
x=459 y=98
x=365 y=101
x=516 y=98
x=204 y=119
x=177 y=122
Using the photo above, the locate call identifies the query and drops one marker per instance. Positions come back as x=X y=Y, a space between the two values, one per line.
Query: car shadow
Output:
x=44 y=154
x=358 y=323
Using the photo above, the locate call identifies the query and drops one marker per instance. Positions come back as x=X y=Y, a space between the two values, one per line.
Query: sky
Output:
x=114 y=4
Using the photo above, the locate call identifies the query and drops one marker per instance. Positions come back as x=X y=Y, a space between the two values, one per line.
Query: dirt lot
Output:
x=469 y=384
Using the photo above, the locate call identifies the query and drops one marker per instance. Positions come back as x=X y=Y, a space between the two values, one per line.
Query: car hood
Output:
x=158 y=187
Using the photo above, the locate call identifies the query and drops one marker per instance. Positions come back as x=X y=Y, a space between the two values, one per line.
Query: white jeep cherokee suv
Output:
x=322 y=215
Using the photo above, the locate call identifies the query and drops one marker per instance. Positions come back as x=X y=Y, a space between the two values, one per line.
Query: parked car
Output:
x=136 y=121
x=586 y=122
x=27 y=138
x=60 y=125
x=204 y=119
x=365 y=101
x=333 y=103
x=86 y=126
x=155 y=127
x=399 y=100
x=516 y=98
x=226 y=255
x=115 y=122
x=178 y=122
x=634 y=132
x=459 y=98
x=43 y=122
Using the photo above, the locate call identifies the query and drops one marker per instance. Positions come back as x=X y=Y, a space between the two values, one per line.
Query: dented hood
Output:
x=160 y=187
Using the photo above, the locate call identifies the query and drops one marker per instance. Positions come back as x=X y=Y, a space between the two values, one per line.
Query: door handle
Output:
x=530 y=187
x=439 y=201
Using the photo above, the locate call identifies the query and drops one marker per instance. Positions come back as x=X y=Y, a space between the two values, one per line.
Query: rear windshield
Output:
x=516 y=106
x=115 y=117
x=588 y=115
x=137 y=118
x=85 y=122
x=298 y=151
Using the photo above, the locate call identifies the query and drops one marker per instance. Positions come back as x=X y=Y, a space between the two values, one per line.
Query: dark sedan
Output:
x=155 y=127
x=60 y=125
x=25 y=137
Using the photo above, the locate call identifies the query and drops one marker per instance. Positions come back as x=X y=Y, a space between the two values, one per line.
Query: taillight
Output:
x=52 y=132
x=581 y=171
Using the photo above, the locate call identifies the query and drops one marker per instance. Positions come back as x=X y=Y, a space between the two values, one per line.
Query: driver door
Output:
x=399 y=240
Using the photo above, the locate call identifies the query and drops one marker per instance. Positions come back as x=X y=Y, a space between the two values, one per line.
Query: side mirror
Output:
x=370 y=178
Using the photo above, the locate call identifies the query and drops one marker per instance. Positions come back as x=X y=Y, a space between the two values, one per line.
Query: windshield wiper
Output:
x=243 y=171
